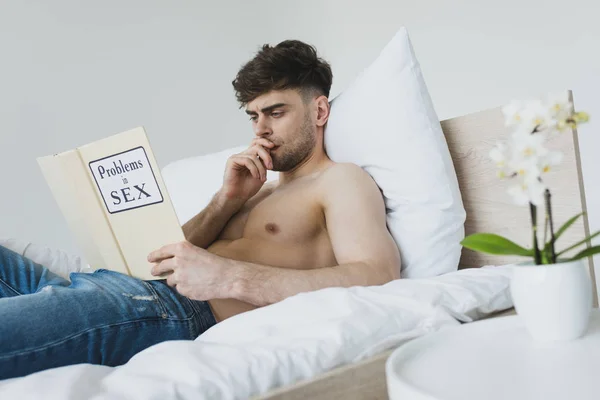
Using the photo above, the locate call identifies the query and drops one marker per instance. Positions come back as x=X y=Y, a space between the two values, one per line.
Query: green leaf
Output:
x=563 y=228
x=578 y=243
x=590 y=251
x=494 y=244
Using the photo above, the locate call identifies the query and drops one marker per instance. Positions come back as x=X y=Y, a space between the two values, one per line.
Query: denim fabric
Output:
x=99 y=318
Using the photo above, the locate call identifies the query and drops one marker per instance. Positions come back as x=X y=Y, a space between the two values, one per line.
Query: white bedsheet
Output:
x=56 y=260
x=283 y=343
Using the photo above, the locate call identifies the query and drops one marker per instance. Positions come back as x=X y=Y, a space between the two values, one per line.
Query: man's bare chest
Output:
x=288 y=216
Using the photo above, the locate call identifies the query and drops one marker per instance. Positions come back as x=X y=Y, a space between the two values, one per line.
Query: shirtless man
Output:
x=322 y=224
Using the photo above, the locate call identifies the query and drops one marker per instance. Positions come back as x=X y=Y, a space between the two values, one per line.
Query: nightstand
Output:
x=495 y=359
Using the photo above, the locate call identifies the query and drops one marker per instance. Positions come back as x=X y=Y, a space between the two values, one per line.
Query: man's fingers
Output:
x=264 y=155
x=240 y=161
x=262 y=172
x=171 y=281
x=260 y=166
x=262 y=142
x=253 y=161
x=250 y=163
x=163 y=253
x=163 y=267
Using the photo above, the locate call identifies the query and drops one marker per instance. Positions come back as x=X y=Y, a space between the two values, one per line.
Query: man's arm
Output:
x=204 y=228
x=364 y=249
x=244 y=176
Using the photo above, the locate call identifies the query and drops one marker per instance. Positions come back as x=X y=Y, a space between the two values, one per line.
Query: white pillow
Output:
x=385 y=122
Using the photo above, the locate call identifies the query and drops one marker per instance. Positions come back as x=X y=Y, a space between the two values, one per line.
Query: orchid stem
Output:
x=544 y=253
x=546 y=228
x=533 y=211
x=549 y=213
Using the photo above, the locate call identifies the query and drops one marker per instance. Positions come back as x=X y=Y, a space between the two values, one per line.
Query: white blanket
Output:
x=298 y=338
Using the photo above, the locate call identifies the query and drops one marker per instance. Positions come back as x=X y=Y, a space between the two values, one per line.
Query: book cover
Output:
x=114 y=200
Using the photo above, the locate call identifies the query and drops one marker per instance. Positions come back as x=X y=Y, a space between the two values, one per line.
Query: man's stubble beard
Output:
x=299 y=150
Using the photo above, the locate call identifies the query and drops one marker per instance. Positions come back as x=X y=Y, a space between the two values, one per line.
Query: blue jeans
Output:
x=100 y=318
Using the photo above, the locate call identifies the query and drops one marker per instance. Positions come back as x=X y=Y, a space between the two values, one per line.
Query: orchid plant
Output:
x=525 y=159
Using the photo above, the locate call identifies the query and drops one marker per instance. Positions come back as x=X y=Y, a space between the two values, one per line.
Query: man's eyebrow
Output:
x=267 y=109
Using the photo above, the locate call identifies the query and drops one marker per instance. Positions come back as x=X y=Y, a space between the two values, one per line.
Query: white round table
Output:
x=495 y=359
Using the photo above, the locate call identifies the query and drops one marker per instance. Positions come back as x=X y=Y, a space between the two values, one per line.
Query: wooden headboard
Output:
x=490 y=208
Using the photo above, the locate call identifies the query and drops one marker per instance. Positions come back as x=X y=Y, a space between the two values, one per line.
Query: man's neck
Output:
x=315 y=162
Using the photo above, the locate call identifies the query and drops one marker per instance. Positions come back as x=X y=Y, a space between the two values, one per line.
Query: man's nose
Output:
x=262 y=129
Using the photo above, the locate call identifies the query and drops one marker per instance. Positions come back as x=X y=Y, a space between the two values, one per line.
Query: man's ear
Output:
x=322 y=106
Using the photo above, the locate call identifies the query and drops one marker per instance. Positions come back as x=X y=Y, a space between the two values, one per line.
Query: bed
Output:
x=282 y=356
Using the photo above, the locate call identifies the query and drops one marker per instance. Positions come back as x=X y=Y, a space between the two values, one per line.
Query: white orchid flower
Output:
x=525 y=167
x=500 y=155
x=528 y=190
x=535 y=188
x=512 y=113
x=549 y=160
x=525 y=156
x=559 y=105
x=535 y=116
x=572 y=121
x=526 y=144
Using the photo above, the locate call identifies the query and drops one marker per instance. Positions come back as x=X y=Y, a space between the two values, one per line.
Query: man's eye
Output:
x=253 y=118
x=276 y=114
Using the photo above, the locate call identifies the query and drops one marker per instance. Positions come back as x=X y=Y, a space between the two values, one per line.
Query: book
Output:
x=115 y=202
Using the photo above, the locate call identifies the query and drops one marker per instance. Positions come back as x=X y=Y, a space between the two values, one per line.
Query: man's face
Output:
x=283 y=118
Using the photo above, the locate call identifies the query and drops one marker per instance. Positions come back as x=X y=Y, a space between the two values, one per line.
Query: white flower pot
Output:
x=554 y=300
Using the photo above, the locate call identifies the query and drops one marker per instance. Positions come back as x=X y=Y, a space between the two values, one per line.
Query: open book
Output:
x=115 y=201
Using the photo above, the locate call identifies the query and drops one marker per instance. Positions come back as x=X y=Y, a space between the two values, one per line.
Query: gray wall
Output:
x=72 y=72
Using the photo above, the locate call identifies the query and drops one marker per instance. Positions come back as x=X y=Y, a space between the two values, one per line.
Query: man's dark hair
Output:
x=291 y=64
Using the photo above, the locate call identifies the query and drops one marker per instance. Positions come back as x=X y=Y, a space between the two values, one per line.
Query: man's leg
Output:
x=100 y=318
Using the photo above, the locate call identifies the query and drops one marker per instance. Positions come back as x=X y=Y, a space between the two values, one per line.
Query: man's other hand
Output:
x=193 y=271
x=246 y=172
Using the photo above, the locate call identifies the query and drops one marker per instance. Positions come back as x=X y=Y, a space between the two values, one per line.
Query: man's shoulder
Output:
x=347 y=177
x=346 y=172
x=349 y=187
